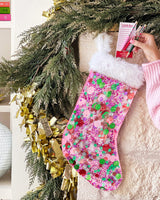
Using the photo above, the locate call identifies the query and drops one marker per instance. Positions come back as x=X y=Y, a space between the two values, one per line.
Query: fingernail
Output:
x=135 y=50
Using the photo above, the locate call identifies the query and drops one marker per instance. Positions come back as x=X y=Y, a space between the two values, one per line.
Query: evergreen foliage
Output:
x=35 y=166
x=49 y=188
x=50 y=191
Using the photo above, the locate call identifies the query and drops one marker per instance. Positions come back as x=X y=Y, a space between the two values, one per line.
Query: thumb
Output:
x=138 y=44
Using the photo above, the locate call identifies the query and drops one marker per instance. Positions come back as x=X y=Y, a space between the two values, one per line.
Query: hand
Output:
x=147 y=43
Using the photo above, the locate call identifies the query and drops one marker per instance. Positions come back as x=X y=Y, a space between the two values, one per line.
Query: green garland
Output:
x=48 y=57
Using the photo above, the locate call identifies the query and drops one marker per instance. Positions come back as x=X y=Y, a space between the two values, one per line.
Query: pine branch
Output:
x=50 y=191
x=59 y=84
x=36 y=169
x=34 y=166
x=32 y=195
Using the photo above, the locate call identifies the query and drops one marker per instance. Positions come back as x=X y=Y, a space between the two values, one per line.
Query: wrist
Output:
x=154 y=57
x=151 y=64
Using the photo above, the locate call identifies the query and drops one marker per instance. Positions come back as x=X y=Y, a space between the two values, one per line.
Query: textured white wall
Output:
x=25 y=14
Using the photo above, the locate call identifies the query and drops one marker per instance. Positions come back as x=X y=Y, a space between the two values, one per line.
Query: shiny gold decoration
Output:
x=46 y=127
x=2 y=94
x=1 y=97
x=50 y=12
x=69 y=183
x=57 y=4
x=45 y=136
x=40 y=187
x=114 y=28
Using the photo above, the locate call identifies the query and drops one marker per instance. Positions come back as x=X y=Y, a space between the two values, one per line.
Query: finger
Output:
x=147 y=36
x=142 y=39
x=136 y=49
x=138 y=44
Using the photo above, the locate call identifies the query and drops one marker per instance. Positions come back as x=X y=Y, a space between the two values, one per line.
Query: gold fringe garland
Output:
x=45 y=137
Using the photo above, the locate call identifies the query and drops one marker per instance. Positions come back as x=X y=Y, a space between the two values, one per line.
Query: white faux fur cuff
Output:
x=116 y=68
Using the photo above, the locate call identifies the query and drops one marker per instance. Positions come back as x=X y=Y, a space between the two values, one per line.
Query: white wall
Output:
x=5 y=43
x=25 y=14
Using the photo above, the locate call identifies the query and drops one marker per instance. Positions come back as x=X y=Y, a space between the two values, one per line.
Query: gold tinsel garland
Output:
x=45 y=136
